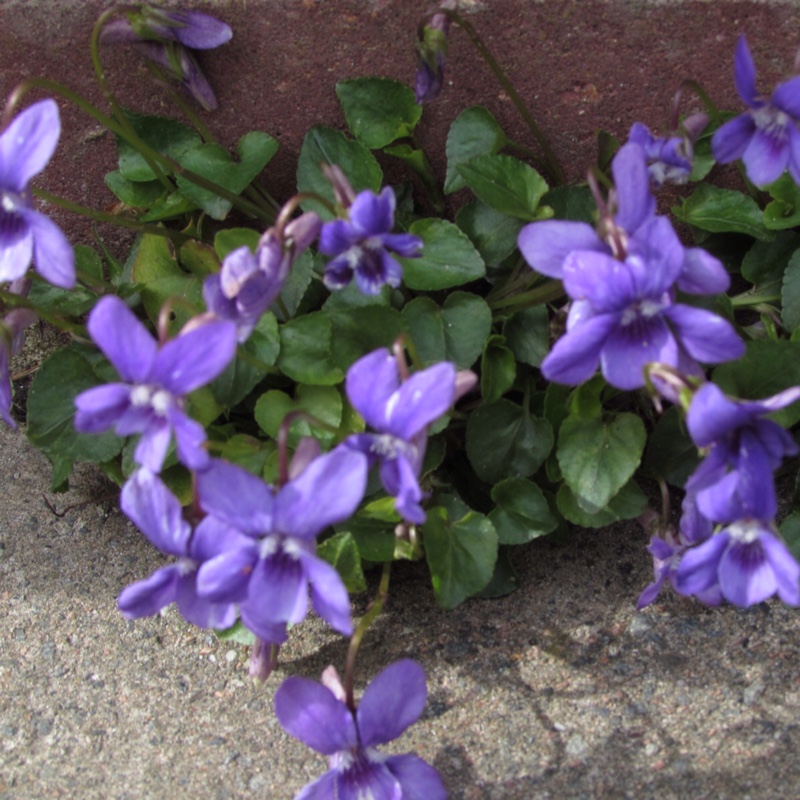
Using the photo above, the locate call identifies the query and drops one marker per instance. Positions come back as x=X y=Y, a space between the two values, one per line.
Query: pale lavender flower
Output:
x=26 y=146
x=150 y=401
x=248 y=283
x=765 y=137
x=318 y=716
x=362 y=244
x=269 y=575
x=400 y=414
x=157 y=513
x=745 y=561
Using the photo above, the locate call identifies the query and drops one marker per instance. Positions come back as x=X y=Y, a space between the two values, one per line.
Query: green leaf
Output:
x=474 y=132
x=670 y=454
x=784 y=211
x=498 y=369
x=133 y=193
x=168 y=206
x=51 y=410
x=198 y=258
x=527 y=334
x=378 y=110
x=358 y=331
x=448 y=257
x=460 y=553
x=237 y=633
x=790 y=293
x=505 y=184
x=241 y=376
x=504 y=440
x=598 y=458
x=297 y=282
x=456 y=332
x=628 y=503
x=765 y=262
x=494 y=234
x=306 y=354
x=573 y=203
x=504 y=577
x=168 y=136
x=152 y=265
x=790 y=531
x=375 y=537
x=769 y=366
x=323 y=145
x=341 y=552
x=321 y=402
x=723 y=210
x=213 y=162
x=522 y=512
x=230 y=239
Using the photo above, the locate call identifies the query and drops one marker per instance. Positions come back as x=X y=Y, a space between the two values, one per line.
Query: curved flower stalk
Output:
x=317 y=715
x=26 y=147
x=363 y=242
x=765 y=137
x=12 y=333
x=249 y=283
x=270 y=571
x=400 y=413
x=148 y=503
x=149 y=400
x=167 y=37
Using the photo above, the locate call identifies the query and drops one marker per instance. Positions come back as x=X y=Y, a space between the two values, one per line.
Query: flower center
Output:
x=160 y=400
x=645 y=308
x=746 y=531
x=387 y=446
x=772 y=121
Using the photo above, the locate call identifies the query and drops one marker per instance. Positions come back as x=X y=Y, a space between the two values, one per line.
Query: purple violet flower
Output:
x=400 y=414
x=269 y=574
x=765 y=137
x=12 y=334
x=734 y=481
x=26 y=146
x=318 y=716
x=623 y=222
x=149 y=401
x=153 y=23
x=148 y=503
x=167 y=37
x=249 y=283
x=746 y=562
x=362 y=244
x=669 y=160
x=431 y=50
x=623 y=315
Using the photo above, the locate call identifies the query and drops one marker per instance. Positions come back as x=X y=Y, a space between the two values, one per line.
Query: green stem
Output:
x=746 y=300
x=145 y=149
x=375 y=608
x=552 y=290
x=114 y=219
x=10 y=300
x=554 y=165
x=116 y=110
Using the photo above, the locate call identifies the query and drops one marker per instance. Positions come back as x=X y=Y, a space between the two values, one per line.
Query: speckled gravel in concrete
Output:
x=560 y=690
